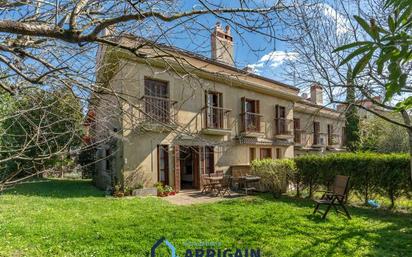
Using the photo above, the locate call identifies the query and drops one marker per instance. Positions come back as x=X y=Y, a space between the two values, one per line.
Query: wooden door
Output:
x=177 y=168
x=196 y=168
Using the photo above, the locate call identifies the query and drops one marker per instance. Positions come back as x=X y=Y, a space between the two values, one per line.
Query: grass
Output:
x=72 y=218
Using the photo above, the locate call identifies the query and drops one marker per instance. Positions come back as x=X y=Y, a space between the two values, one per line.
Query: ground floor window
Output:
x=265 y=153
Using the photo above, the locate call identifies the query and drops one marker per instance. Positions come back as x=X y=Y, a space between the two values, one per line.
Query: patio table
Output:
x=247 y=180
x=214 y=181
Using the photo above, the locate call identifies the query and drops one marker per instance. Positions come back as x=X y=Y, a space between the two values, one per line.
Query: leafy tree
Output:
x=378 y=135
x=352 y=118
x=36 y=136
x=387 y=50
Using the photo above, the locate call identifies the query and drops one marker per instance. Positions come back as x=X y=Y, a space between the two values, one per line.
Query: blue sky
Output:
x=250 y=48
x=266 y=57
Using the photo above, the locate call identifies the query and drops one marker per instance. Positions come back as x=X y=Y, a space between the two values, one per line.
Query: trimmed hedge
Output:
x=275 y=174
x=370 y=173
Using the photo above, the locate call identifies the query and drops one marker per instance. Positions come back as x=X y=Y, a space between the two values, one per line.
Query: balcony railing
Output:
x=216 y=117
x=157 y=109
x=283 y=126
x=250 y=122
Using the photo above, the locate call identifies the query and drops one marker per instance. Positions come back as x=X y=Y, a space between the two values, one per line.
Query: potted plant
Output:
x=160 y=189
x=168 y=190
x=128 y=191
x=118 y=191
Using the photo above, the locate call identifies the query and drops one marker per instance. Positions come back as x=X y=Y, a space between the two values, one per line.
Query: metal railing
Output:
x=157 y=109
x=250 y=122
x=283 y=126
x=216 y=117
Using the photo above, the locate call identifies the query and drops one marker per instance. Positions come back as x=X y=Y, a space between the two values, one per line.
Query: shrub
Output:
x=370 y=173
x=274 y=173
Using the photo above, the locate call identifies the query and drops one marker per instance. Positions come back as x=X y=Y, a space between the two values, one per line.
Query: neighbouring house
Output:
x=158 y=124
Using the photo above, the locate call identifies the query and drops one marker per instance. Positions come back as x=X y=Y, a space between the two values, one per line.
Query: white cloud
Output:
x=273 y=60
x=342 y=23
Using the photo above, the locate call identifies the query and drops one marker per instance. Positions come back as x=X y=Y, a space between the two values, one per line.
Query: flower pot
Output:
x=118 y=194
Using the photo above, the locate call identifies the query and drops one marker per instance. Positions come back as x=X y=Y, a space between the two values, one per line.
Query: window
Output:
x=330 y=135
x=214 y=110
x=163 y=164
x=252 y=154
x=156 y=100
x=265 y=153
x=250 y=115
x=278 y=153
x=296 y=131
x=209 y=159
x=280 y=120
x=316 y=133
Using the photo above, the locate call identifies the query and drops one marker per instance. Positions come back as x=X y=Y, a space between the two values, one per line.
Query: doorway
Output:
x=189 y=167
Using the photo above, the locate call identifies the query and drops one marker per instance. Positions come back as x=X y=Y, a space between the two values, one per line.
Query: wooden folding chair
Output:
x=224 y=186
x=206 y=185
x=335 y=197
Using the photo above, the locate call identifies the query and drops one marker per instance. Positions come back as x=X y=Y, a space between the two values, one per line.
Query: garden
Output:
x=61 y=217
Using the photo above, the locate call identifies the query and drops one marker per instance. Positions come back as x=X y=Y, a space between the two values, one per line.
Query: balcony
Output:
x=157 y=112
x=283 y=128
x=215 y=120
x=250 y=124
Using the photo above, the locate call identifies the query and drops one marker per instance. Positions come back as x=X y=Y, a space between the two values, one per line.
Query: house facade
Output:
x=165 y=126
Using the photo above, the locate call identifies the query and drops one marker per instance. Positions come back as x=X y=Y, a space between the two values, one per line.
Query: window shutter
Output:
x=243 y=103
x=257 y=103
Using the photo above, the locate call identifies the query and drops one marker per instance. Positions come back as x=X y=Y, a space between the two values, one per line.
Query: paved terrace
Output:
x=187 y=197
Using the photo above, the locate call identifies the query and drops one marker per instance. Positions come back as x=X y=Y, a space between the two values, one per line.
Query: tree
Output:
x=37 y=124
x=387 y=53
x=378 y=135
x=352 y=118
x=52 y=46
x=328 y=32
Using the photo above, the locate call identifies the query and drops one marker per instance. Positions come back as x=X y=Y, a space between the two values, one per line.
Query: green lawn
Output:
x=71 y=218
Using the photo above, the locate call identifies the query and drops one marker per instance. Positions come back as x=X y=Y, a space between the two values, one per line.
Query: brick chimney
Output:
x=316 y=94
x=222 y=45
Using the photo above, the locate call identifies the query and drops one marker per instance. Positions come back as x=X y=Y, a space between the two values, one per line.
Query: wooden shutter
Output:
x=177 y=167
x=242 y=114
x=257 y=110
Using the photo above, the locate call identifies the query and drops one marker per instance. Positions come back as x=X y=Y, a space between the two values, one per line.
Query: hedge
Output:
x=370 y=173
x=275 y=174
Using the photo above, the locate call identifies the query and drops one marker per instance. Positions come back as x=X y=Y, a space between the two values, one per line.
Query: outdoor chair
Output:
x=206 y=185
x=335 y=197
x=224 y=186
